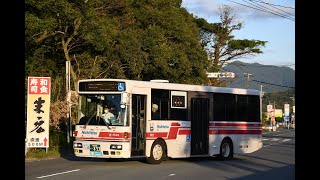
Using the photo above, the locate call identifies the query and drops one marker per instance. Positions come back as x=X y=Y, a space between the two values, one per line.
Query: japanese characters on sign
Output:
x=38 y=108
x=286 y=109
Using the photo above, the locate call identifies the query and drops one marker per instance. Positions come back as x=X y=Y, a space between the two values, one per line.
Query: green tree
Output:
x=138 y=39
x=133 y=39
x=57 y=30
x=221 y=45
x=167 y=44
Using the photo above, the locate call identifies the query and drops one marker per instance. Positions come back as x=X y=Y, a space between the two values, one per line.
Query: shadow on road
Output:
x=282 y=173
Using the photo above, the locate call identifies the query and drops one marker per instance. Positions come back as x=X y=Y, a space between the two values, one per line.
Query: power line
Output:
x=262 y=65
x=273 y=84
x=238 y=82
x=273 y=4
x=262 y=10
x=271 y=9
x=267 y=9
x=280 y=9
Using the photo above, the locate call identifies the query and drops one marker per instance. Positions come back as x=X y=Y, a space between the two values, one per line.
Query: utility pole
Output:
x=261 y=95
x=274 y=104
x=68 y=99
x=292 y=99
x=247 y=75
x=261 y=92
x=293 y=113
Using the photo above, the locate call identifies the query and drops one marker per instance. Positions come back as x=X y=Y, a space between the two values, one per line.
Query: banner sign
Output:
x=286 y=109
x=38 y=108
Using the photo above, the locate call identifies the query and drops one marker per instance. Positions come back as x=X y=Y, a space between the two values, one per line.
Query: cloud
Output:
x=202 y=8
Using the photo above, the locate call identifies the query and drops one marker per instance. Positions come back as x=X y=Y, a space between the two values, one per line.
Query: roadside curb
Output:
x=36 y=159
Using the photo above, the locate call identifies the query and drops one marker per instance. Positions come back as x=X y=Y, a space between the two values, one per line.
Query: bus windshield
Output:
x=92 y=110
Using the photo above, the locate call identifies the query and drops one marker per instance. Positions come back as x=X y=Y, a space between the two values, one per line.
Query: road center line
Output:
x=58 y=173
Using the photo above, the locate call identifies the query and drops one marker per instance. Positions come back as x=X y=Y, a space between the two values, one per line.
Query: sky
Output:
x=265 y=20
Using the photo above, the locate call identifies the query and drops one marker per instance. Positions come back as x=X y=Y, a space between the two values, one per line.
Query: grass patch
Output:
x=40 y=153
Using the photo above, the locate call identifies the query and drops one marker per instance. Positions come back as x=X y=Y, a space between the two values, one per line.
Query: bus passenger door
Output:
x=199 y=126
x=138 y=125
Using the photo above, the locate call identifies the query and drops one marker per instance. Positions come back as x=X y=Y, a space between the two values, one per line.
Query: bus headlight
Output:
x=77 y=145
x=115 y=146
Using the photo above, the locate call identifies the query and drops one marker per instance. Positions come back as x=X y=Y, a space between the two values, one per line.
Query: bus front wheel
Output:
x=226 y=150
x=157 y=153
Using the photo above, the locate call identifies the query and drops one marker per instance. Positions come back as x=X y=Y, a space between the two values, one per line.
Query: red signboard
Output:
x=39 y=85
x=272 y=114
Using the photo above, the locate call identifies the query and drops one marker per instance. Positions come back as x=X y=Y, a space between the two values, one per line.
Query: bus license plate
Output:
x=95 y=150
x=95 y=147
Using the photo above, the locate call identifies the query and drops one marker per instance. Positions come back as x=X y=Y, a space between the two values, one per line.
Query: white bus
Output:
x=158 y=120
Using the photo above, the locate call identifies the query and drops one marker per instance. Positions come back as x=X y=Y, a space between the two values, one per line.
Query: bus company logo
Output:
x=162 y=126
x=185 y=124
x=89 y=132
x=86 y=146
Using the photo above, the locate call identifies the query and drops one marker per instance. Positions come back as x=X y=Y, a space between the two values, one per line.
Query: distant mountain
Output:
x=273 y=78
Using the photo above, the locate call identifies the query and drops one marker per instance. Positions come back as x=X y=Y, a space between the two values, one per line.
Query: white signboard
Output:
x=293 y=108
x=221 y=75
x=38 y=108
x=269 y=107
x=286 y=109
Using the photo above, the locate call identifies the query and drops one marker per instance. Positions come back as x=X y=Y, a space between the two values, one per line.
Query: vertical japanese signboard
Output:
x=286 y=109
x=38 y=109
x=269 y=107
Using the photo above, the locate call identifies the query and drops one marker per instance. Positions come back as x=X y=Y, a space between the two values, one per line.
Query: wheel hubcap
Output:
x=225 y=150
x=157 y=152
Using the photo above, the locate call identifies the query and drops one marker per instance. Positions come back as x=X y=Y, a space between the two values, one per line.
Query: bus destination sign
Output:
x=101 y=86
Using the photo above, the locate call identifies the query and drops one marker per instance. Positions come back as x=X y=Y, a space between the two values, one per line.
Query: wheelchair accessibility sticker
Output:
x=121 y=86
x=188 y=137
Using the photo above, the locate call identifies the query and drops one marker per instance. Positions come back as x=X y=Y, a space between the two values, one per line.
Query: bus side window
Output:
x=155 y=111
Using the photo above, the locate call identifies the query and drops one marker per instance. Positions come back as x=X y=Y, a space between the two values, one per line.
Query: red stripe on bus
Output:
x=184 y=132
x=175 y=124
x=112 y=134
x=156 y=134
x=113 y=139
x=234 y=124
x=245 y=131
x=173 y=132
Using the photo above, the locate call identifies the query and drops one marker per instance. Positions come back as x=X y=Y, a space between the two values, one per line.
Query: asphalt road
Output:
x=276 y=160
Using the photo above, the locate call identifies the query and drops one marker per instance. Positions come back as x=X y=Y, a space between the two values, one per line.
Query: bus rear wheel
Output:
x=226 y=150
x=157 y=153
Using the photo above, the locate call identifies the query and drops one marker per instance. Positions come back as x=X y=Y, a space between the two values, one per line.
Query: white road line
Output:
x=265 y=139
x=58 y=173
x=286 y=140
x=172 y=174
x=274 y=139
